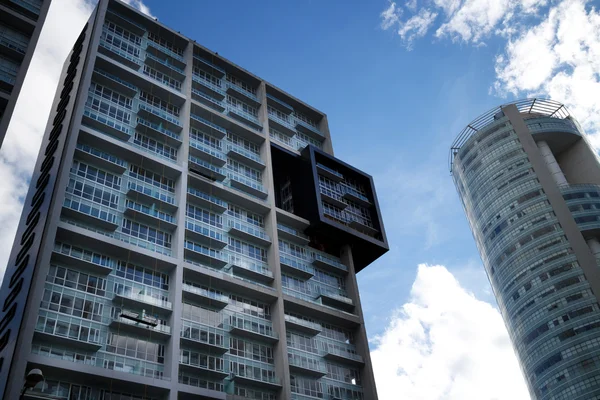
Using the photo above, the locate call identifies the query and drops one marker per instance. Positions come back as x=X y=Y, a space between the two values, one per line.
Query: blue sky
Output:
x=398 y=81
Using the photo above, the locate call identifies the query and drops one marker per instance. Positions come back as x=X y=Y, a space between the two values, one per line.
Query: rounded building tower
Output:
x=529 y=183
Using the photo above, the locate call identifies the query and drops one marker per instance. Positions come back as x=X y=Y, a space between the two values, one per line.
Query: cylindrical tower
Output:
x=529 y=183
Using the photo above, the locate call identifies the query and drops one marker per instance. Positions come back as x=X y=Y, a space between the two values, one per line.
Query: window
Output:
x=146 y=233
x=151 y=178
x=159 y=103
x=155 y=146
x=163 y=78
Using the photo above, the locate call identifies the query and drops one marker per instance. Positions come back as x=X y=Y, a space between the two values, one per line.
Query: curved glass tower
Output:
x=529 y=183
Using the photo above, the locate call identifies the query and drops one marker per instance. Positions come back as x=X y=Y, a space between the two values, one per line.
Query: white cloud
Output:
x=446 y=344
x=21 y=145
x=416 y=26
x=389 y=16
x=139 y=4
x=560 y=58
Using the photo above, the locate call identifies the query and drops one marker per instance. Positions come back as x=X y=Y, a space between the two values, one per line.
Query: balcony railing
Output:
x=244 y=152
x=116 y=79
x=158 y=128
x=308 y=126
x=292 y=231
x=249 y=264
x=31 y=5
x=106 y=120
x=165 y=63
x=206 y=149
x=100 y=154
x=20 y=46
x=150 y=211
x=281 y=121
x=151 y=191
x=214 y=87
x=160 y=113
x=168 y=52
x=243 y=91
x=205 y=230
x=249 y=323
x=120 y=52
x=236 y=176
x=299 y=321
x=143 y=298
x=208 y=123
x=211 y=199
x=206 y=293
x=319 y=259
x=250 y=229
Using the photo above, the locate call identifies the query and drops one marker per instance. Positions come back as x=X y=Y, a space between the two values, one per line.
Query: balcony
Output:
x=83 y=262
x=282 y=125
x=306 y=364
x=356 y=197
x=207 y=153
x=140 y=300
x=259 y=381
x=328 y=263
x=205 y=296
x=209 y=67
x=160 y=117
x=295 y=266
x=206 y=200
x=174 y=59
x=29 y=8
x=292 y=235
x=157 y=131
x=207 y=126
x=165 y=67
x=247 y=157
x=126 y=23
x=244 y=117
x=337 y=301
x=100 y=159
x=252 y=327
x=90 y=212
x=302 y=325
x=120 y=55
x=308 y=129
x=140 y=324
x=210 y=88
x=362 y=227
x=67 y=341
x=204 y=255
x=150 y=215
x=329 y=173
x=243 y=95
x=148 y=194
x=332 y=198
x=206 y=169
x=105 y=124
x=249 y=232
x=13 y=46
x=207 y=100
x=279 y=104
x=250 y=268
x=204 y=233
x=340 y=355
x=247 y=185
x=204 y=371
x=198 y=336
x=114 y=82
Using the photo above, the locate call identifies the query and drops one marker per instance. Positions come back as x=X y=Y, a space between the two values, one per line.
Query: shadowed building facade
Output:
x=21 y=22
x=188 y=233
x=529 y=183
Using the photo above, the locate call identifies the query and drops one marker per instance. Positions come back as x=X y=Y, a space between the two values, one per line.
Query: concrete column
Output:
x=552 y=164
x=360 y=334
x=594 y=244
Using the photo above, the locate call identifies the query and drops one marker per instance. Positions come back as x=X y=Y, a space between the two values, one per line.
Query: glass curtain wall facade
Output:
x=529 y=184
x=21 y=22
x=163 y=266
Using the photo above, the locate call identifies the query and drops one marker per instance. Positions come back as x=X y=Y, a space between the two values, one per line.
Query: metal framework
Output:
x=539 y=106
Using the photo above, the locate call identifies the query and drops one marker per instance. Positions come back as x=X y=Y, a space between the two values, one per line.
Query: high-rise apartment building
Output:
x=21 y=22
x=188 y=233
x=530 y=186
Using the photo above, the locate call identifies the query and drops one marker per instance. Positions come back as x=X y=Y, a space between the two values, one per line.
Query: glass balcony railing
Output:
x=299 y=321
x=203 y=229
x=151 y=191
x=165 y=63
x=282 y=103
x=158 y=128
x=115 y=78
x=106 y=120
x=206 y=149
x=249 y=263
x=160 y=113
x=8 y=76
x=355 y=193
x=214 y=87
x=329 y=260
x=168 y=52
x=220 y=70
x=307 y=361
x=207 y=197
x=206 y=293
x=244 y=114
x=250 y=229
x=292 y=231
x=208 y=123
x=84 y=255
x=244 y=152
x=92 y=209
x=249 y=323
x=206 y=251
x=330 y=170
x=296 y=263
x=117 y=50
x=308 y=126
x=212 y=102
x=12 y=42
x=281 y=121
x=158 y=328
x=243 y=91
x=150 y=211
x=205 y=164
x=113 y=14
x=35 y=6
x=142 y=298
x=100 y=154
x=339 y=350
x=236 y=176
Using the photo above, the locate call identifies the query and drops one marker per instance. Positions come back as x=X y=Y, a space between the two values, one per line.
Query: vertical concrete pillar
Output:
x=552 y=164
x=360 y=334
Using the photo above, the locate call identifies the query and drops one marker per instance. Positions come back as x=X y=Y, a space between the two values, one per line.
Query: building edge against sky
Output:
x=187 y=233
x=21 y=22
x=529 y=183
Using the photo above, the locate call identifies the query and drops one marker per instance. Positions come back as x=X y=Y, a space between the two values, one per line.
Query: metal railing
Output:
x=160 y=113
